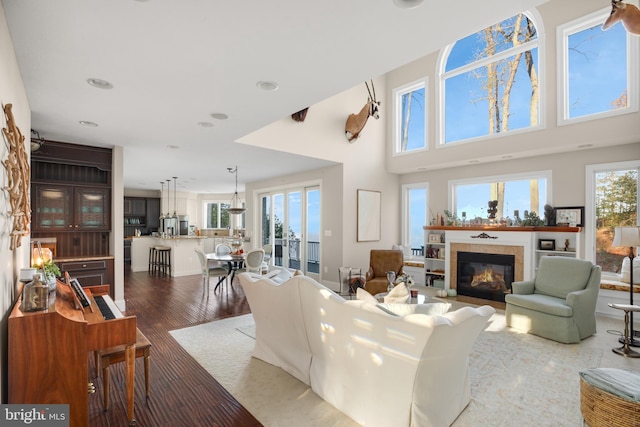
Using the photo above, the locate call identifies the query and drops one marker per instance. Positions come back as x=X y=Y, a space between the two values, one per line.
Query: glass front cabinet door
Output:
x=92 y=209
x=65 y=208
x=53 y=208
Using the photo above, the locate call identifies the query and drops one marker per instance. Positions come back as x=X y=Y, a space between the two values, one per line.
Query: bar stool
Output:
x=113 y=355
x=152 y=258
x=162 y=259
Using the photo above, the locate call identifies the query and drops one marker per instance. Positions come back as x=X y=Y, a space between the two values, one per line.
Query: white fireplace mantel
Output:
x=502 y=239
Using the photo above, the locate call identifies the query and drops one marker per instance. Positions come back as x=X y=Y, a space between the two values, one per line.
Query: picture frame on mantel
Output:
x=369 y=214
x=572 y=216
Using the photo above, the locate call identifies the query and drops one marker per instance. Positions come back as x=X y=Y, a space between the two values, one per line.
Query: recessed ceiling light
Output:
x=205 y=124
x=268 y=86
x=585 y=146
x=219 y=116
x=100 y=84
x=407 y=4
x=88 y=123
x=173 y=147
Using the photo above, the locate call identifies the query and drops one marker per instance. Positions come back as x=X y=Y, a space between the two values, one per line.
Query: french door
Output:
x=290 y=223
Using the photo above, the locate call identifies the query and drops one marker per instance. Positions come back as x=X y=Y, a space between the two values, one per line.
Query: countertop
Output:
x=83 y=258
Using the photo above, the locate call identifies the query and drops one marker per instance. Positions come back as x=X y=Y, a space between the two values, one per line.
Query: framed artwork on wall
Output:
x=369 y=225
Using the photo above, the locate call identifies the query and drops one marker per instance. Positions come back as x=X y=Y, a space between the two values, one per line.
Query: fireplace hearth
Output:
x=485 y=275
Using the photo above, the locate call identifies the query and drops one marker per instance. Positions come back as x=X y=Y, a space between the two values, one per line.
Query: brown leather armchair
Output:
x=381 y=261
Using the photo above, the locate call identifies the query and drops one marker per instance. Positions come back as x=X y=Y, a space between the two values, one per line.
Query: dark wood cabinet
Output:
x=153 y=213
x=90 y=272
x=70 y=208
x=135 y=206
x=141 y=214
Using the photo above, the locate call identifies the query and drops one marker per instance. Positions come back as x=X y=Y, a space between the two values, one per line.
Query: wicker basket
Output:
x=602 y=409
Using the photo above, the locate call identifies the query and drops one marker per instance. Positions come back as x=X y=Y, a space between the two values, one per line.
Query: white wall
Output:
x=11 y=92
x=361 y=167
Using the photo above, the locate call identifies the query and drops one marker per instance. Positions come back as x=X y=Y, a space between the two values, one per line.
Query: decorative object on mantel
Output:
x=355 y=122
x=18 y=180
x=493 y=209
x=532 y=219
x=236 y=204
x=549 y=216
x=571 y=216
x=630 y=237
x=484 y=236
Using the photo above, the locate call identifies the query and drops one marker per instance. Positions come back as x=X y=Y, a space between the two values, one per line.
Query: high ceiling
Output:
x=173 y=64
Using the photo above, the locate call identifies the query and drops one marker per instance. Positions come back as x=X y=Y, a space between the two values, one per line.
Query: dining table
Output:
x=234 y=261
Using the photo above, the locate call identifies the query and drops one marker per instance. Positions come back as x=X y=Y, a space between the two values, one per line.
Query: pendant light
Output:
x=161 y=196
x=175 y=200
x=168 y=215
x=235 y=204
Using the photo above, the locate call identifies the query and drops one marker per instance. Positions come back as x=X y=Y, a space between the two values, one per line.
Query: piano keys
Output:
x=48 y=350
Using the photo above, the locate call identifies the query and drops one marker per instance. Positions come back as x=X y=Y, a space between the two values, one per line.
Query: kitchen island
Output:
x=184 y=261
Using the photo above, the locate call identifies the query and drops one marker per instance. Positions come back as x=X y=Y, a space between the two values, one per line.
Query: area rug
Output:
x=516 y=379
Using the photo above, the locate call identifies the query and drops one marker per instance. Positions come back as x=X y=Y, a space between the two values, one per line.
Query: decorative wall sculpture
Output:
x=18 y=179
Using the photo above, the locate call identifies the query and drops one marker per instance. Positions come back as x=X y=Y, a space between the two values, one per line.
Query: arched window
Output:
x=490 y=81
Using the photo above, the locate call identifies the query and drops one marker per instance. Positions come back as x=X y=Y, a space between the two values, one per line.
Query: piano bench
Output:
x=113 y=355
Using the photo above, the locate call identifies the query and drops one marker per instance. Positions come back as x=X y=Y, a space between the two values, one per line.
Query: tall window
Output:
x=414 y=215
x=490 y=81
x=410 y=118
x=597 y=69
x=612 y=201
x=521 y=193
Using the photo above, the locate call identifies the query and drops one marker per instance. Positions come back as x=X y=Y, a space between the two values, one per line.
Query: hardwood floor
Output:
x=182 y=393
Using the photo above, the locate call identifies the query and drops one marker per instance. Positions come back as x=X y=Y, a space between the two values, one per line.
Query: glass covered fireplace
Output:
x=484 y=275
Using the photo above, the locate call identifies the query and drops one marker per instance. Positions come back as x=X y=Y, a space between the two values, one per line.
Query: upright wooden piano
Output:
x=49 y=350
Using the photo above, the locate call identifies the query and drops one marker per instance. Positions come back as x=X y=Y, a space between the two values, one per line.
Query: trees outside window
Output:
x=491 y=81
x=612 y=201
x=410 y=117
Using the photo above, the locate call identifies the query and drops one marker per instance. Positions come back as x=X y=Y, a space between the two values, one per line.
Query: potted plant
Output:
x=49 y=273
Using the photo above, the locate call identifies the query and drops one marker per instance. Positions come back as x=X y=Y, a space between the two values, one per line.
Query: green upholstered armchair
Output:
x=560 y=303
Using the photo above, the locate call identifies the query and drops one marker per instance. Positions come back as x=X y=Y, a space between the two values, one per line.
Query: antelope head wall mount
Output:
x=355 y=122
x=629 y=14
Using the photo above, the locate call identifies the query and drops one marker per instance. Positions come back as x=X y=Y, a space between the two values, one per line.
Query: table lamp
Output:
x=629 y=236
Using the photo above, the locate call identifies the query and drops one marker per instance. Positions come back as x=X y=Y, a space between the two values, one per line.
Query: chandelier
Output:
x=236 y=206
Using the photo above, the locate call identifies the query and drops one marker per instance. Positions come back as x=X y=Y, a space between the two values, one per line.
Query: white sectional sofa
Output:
x=377 y=368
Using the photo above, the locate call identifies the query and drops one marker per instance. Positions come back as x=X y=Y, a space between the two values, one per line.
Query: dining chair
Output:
x=253 y=261
x=223 y=249
x=219 y=270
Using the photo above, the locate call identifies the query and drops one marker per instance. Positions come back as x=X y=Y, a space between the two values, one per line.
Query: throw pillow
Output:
x=625 y=272
x=365 y=296
x=399 y=294
x=402 y=310
x=282 y=276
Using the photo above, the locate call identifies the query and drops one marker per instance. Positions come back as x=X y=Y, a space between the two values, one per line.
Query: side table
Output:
x=625 y=350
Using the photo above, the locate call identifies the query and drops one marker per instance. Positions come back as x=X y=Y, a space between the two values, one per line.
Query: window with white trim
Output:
x=217 y=216
x=517 y=195
x=490 y=81
x=611 y=201
x=597 y=70
x=410 y=117
x=414 y=213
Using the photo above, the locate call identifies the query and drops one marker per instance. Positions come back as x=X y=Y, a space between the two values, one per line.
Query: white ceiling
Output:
x=173 y=63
